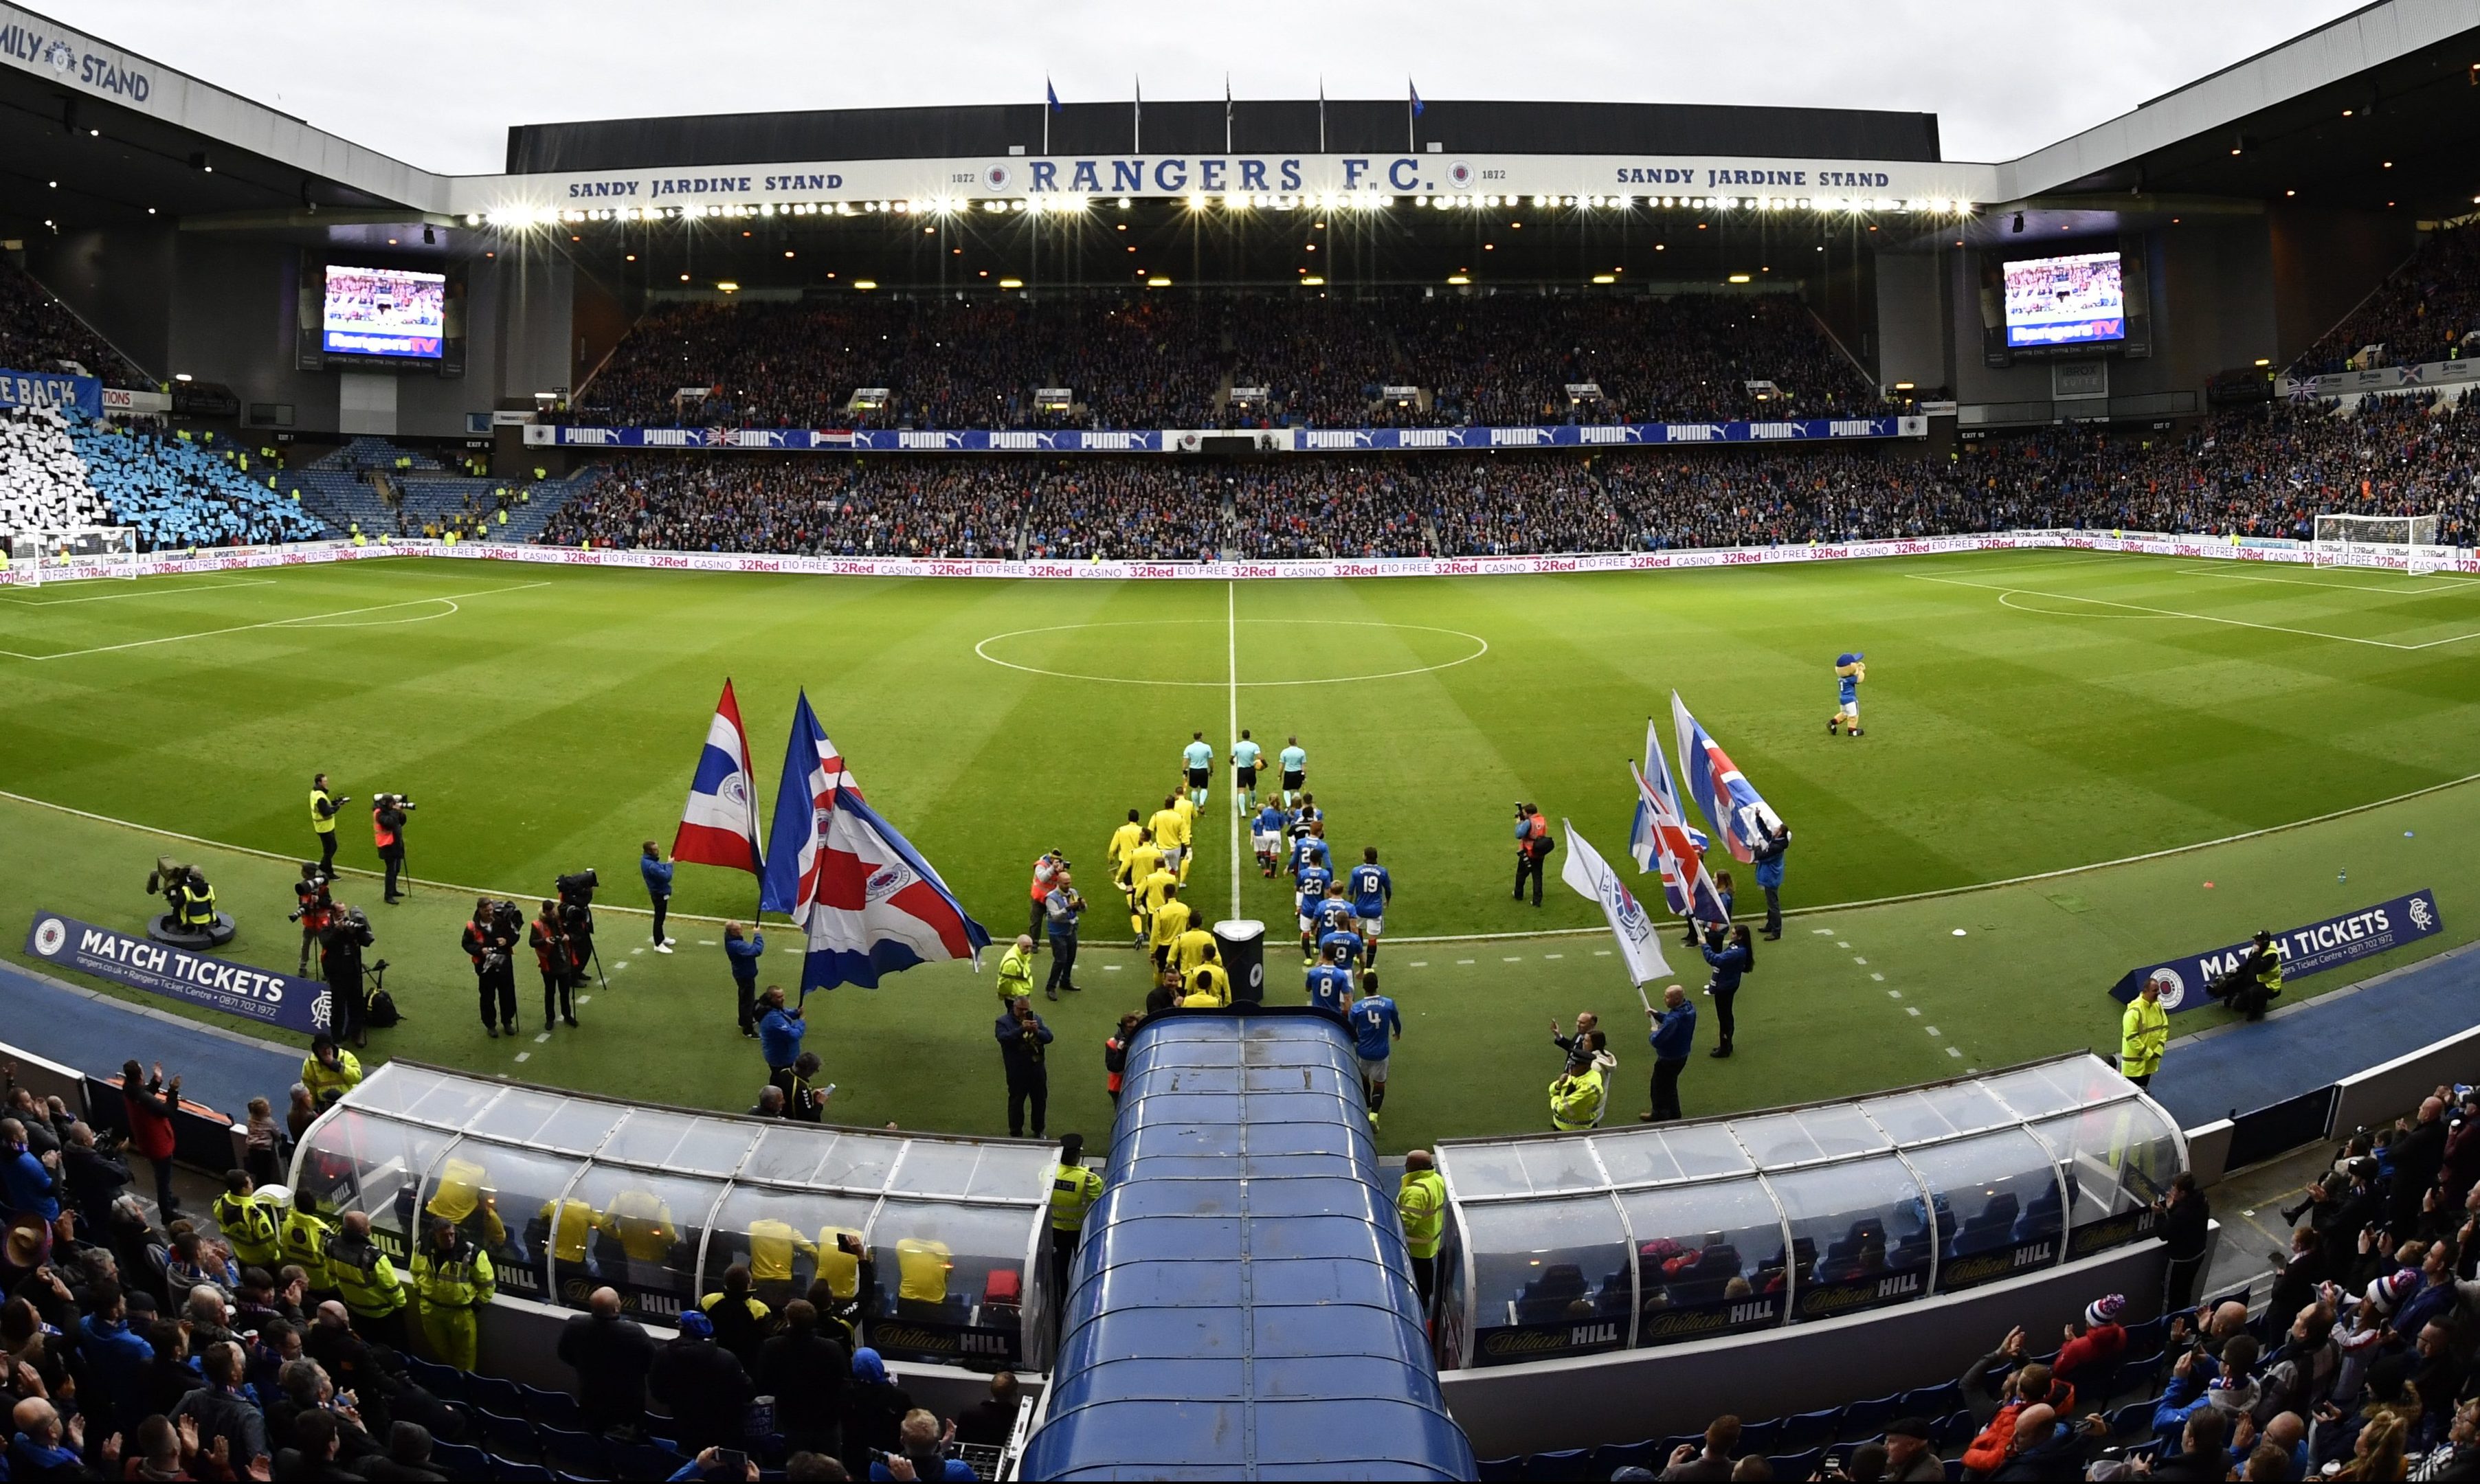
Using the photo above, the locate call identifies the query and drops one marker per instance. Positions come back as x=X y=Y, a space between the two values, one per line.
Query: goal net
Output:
x=97 y=551
x=2400 y=543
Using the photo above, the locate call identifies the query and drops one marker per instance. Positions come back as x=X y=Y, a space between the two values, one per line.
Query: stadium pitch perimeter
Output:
x=2026 y=713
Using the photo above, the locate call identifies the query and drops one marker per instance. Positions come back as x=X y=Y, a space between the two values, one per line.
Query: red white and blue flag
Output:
x=1737 y=812
x=1654 y=788
x=866 y=901
x=1679 y=851
x=719 y=823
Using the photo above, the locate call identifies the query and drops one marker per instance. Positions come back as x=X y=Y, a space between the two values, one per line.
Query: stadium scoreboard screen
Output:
x=397 y=313
x=2078 y=299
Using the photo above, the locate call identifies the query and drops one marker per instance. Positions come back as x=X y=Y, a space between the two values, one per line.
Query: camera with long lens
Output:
x=577 y=905
x=508 y=921
x=393 y=800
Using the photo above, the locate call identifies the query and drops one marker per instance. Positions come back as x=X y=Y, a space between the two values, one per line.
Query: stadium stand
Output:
x=1164 y=363
x=372 y=487
x=2246 y=473
x=2424 y=312
x=60 y=472
x=38 y=332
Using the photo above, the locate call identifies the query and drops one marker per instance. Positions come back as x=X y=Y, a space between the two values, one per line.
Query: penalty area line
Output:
x=282 y=623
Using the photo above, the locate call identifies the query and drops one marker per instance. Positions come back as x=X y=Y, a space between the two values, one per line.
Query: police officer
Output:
x=495 y=970
x=247 y=1222
x=451 y=1281
x=1074 y=1190
x=367 y=1282
x=387 y=831
x=304 y=1237
x=1421 y=1204
x=1576 y=1095
x=323 y=821
x=198 y=903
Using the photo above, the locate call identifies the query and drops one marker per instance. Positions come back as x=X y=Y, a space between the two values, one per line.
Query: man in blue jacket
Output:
x=744 y=949
x=1674 y=1036
x=658 y=873
x=779 y=1030
x=1023 y=1040
x=29 y=1183
x=117 y=1360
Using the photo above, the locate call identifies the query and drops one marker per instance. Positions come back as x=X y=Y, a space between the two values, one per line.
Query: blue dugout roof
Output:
x=1242 y=1305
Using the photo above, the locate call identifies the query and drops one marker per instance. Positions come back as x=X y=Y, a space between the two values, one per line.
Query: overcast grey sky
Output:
x=438 y=82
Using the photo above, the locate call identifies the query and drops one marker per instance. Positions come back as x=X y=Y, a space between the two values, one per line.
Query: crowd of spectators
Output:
x=38 y=333
x=2265 y=471
x=1158 y=361
x=61 y=471
x=2422 y=313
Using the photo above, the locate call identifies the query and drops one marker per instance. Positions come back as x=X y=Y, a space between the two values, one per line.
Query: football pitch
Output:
x=2027 y=712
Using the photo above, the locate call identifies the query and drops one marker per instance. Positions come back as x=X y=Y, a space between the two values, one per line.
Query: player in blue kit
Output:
x=1371 y=889
x=1376 y=1027
x=1266 y=836
x=1849 y=671
x=1198 y=758
x=1333 y=922
x=1309 y=883
x=1330 y=985
x=1310 y=844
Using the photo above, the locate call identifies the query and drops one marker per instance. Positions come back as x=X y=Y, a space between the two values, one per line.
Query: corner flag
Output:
x=1739 y=814
x=1591 y=877
x=719 y=823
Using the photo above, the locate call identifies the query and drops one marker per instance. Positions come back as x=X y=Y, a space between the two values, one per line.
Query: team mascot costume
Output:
x=1849 y=669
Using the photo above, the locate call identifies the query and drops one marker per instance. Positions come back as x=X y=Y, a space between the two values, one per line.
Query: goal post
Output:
x=101 y=550
x=2400 y=543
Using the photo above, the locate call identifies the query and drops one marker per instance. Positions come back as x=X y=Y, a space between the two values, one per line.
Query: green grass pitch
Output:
x=2025 y=711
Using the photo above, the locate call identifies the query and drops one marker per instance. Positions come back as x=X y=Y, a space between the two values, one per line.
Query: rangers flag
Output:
x=1681 y=851
x=812 y=772
x=866 y=901
x=1660 y=792
x=719 y=823
x=1592 y=877
x=1737 y=812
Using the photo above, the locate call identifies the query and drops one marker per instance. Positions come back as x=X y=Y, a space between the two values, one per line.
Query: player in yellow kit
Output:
x=1186 y=808
x=1144 y=863
x=1170 y=832
x=1114 y=856
x=1171 y=918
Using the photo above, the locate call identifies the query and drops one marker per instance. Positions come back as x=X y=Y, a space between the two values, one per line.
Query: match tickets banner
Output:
x=309 y=554
x=2186 y=982
x=258 y=995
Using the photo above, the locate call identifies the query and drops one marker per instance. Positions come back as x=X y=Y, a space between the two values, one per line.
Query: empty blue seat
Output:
x=1931 y=1400
x=1863 y=1421
x=1611 y=1457
x=552 y=1409
x=526 y=1473
x=582 y=1454
x=1502 y=1471
x=508 y=1437
x=1759 y=1436
x=1808 y=1430
x=461 y=1462
x=1563 y=1466
x=492 y=1394
x=445 y=1382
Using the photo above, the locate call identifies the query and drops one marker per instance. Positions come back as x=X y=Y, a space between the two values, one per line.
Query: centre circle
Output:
x=1479 y=648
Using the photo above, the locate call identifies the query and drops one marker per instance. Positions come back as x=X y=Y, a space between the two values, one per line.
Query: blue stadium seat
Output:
x=492 y=1394
x=580 y=1454
x=1808 y=1430
x=552 y=1409
x=524 y=1474
x=1560 y=1468
x=1931 y=1400
x=508 y=1437
x=1863 y=1421
x=2145 y=1336
x=445 y=1382
x=643 y=1461
x=1759 y=1436
x=1501 y=1471
x=462 y=1462
x=2132 y=1420
x=1797 y=1466
x=1611 y=1457
x=1955 y=1430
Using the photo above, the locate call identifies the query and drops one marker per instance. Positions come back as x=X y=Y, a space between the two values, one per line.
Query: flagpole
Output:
x=1047 y=94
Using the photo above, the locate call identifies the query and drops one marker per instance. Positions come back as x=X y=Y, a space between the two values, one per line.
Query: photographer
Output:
x=1022 y=1038
x=488 y=941
x=311 y=906
x=323 y=807
x=340 y=958
x=1531 y=847
x=559 y=969
x=1061 y=910
x=387 y=831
